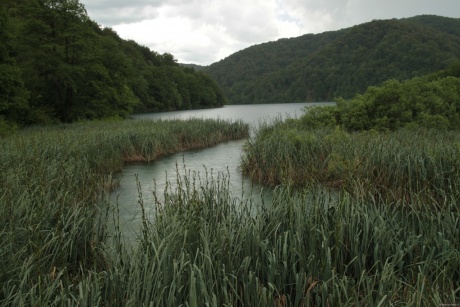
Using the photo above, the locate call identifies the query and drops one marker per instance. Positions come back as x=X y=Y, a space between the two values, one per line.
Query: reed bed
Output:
x=308 y=248
x=52 y=196
x=396 y=165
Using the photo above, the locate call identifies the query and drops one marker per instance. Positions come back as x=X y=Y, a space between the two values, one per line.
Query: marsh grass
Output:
x=205 y=247
x=308 y=248
x=396 y=165
x=52 y=194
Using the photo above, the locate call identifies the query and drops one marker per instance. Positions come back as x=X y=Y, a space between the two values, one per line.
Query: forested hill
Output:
x=340 y=63
x=57 y=65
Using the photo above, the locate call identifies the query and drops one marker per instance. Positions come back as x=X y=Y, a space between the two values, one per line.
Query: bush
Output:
x=6 y=128
x=429 y=103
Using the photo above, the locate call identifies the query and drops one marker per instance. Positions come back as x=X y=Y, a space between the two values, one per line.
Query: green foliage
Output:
x=396 y=165
x=319 y=116
x=447 y=25
x=342 y=63
x=429 y=102
x=244 y=76
x=410 y=166
x=53 y=196
x=306 y=248
x=6 y=128
x=58 y=65
x=61 y=243
x=13 y=94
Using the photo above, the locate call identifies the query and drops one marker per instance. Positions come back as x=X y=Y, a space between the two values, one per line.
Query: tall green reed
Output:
x=52 y=194
x=309 y=247
x=396 y=165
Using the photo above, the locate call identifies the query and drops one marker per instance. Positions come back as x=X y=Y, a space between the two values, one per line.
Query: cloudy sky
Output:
x=206 y=31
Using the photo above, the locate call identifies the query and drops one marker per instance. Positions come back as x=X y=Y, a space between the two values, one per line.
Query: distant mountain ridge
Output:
x=320 y=67
x=194 y=66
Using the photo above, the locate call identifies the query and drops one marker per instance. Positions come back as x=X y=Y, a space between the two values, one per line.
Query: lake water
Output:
x=224 y=157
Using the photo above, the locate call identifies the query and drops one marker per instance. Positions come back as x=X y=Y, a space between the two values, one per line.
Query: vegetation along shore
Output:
x=387 y=234
x=53 y=199
x=364 y=209
x=393 y=156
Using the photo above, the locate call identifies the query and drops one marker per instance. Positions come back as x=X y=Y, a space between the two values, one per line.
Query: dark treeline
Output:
x=321 y=67
x=57 y=65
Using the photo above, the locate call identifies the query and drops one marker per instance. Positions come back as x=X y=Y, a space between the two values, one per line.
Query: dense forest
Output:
x=57 y=65
x=431 y=101
x=321 y=67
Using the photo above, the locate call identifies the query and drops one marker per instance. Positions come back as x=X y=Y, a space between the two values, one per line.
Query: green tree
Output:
x=13 y=94
x=65 y=67
x=432 y=101
x=53 y=48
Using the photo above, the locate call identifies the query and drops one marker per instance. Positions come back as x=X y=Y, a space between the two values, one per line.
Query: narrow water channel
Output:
x=224 y=157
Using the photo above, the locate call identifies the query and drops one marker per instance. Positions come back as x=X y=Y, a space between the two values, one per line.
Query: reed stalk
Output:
x=395 y=165
x=309 y=247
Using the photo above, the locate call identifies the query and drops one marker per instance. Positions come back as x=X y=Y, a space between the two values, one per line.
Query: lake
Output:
x=224 y=157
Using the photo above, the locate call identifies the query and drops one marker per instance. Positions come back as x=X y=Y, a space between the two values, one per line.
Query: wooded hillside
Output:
x=57 y=65
x=342 y=63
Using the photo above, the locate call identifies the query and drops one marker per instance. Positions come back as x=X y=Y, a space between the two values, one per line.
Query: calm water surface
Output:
x=224 y=157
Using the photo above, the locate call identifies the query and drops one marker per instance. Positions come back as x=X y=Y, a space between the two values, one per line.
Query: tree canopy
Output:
x=432 y=101
x=321 y=67
x=57 y=65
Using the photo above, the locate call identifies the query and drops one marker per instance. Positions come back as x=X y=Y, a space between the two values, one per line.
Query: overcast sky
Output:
x=206 y=31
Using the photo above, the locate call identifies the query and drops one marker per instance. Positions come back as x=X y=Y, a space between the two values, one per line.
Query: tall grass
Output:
x=394 y=164
x=52 y=193
x=307 y=249
x=205 y=247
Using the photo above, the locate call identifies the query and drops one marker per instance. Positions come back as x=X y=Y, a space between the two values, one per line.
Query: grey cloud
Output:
x=119 y=4
x=408 y=8
x=196 y=56
x=248 y=22
x=335 y=14
x=110 y=13
x=113 y=17
x=245 y=24
x=331 y=7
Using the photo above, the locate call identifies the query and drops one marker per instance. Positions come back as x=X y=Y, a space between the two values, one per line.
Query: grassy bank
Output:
x=376 y=241
x=52 y=192
x=397 y=164
x=206 y=248
x=307 y=249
